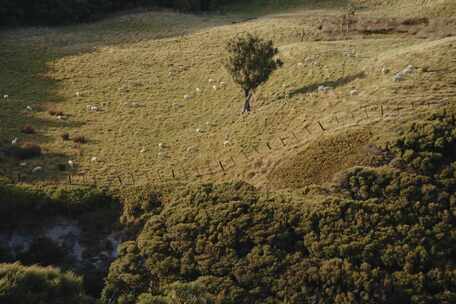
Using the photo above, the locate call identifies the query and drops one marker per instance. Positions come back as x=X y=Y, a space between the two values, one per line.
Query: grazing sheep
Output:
x=23 y=164
x=354 y=92
x=226 y=143
x=37 y=169
x=71 y=164
x=198 y=90
x=14 y=141
x=211 y=80
x=409 y=69
x=187 y=97
x=161 y=145
x=385 y=70
x=142 y=150
x=199 y=130
x=92 y=108
x=222 y=84
x=324 y=89
x=300 y=64
x=214 y=87
x=5 y=96
x=78 y=94
x=59 y=117
x=29 y=108
x=398 y=77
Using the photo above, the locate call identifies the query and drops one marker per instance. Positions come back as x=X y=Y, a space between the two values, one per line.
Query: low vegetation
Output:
x=26 y=285
x=386 y=235
x=123 y=133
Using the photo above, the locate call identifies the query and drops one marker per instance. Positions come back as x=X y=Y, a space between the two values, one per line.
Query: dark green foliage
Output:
x=35 y=285
x=44 y=252
x=391 y=240
x=22 y=203
x=251 y=60
x=53 y=12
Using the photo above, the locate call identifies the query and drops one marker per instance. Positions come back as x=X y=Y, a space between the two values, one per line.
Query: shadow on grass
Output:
x=332 y=83
x=23 y=78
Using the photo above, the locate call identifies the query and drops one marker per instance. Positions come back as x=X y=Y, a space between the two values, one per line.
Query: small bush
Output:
x=28 y=129
x=54 y=112
x=80 y=139
x=65 y=136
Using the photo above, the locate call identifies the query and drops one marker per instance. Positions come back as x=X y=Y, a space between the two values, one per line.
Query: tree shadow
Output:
x=331 y=83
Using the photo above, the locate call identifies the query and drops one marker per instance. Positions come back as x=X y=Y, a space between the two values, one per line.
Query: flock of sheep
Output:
x=215 y=86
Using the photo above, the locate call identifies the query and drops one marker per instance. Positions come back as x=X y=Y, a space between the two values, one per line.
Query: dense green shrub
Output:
x=53 y=12
x=388 y=237
x=27 y=285
x=21 y=203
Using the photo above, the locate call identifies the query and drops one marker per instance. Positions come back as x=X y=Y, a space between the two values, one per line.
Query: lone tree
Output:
x=251 y=60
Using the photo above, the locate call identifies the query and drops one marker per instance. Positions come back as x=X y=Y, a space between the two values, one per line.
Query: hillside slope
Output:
x=135 y=71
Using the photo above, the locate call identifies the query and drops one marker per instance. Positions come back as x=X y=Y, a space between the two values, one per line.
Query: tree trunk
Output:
x=248 y=96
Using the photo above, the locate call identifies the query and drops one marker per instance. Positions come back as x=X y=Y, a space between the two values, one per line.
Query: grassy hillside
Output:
x=137 y=68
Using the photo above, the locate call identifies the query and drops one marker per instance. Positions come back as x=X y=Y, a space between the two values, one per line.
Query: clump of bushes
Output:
x=387 y=236
x=22 y=203
x=28 y=129
x=54 y=12
x=55 y=112
x=34 y=284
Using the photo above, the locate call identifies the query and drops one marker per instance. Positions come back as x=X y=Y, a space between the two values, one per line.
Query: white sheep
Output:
x=354 y=92
x=29 y=108
x=409 y=69
x=187 y=97
x=199 y=130
x=92 y=108
x=14 y=141
x=385 y=70
x=398 y=77
x=214 y=87
x=93 y=159
x=71 y=164
x=161 y=145
x=37 y=169
x=222 y=84
x=5 y=96
x=78 y=94
x=226 y=143
x=59 y=117
x=142 y=150
x=198 y=90
x=300 y=64
x=323 y=88
x=211 y=80
x=23 y=164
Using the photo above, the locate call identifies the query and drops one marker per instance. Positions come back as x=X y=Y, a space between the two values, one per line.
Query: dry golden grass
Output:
x=136 y=70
